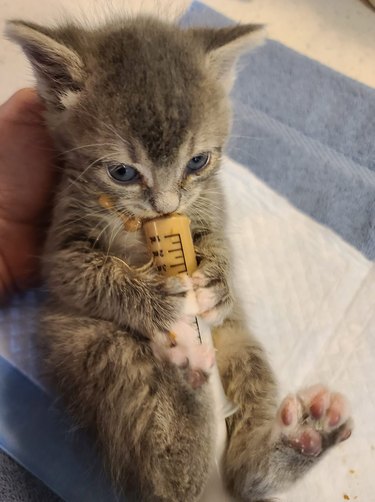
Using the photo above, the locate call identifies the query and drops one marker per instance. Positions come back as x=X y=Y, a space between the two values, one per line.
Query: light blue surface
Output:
x=35 y=433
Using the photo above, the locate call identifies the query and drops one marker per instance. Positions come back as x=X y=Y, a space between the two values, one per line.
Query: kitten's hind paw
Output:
x=313 y=420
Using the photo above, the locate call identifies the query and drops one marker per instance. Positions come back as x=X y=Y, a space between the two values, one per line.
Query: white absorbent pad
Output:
x=309 y=298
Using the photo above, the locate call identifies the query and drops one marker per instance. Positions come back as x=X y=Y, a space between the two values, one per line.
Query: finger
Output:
x=23 y=107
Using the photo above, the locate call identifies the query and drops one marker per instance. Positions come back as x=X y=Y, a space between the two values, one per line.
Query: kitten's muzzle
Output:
x=165 y=202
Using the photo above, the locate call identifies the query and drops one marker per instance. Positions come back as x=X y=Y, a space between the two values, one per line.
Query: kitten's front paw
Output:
x=213 y=296
x=313 y=420
x=181 y=290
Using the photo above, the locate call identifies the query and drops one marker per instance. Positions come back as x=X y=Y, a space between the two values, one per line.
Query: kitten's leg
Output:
x=270 y=447
x=154 y=429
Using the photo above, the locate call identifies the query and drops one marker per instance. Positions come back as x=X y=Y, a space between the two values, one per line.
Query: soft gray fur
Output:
x=146 y=93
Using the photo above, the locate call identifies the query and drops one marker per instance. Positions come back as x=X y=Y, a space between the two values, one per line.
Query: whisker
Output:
x=86 y=216
x=102 y=232
x=246 y=137
x=113 y=236
x=75 y=180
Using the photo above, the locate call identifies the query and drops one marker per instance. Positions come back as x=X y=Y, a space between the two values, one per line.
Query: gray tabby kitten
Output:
x=139 y=110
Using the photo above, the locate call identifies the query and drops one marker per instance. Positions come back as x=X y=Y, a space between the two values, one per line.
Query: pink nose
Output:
x=166 y=202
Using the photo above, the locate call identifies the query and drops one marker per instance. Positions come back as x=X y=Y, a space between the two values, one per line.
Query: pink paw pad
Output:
x=338 y=411
x=319 y=404
x=288 y=411
x=313 y=420
x=309 y=443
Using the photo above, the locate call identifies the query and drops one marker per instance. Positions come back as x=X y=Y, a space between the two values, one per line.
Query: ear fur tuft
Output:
x=58 y=68
x=224 y=46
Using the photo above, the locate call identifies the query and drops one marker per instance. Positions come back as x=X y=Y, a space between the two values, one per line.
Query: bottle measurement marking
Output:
x=177 y=249
x=182 y=263
x=198 y=330
x=170 y=236
x=182 y=255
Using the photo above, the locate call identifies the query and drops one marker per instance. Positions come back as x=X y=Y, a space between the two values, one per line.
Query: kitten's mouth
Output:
x=130 y=223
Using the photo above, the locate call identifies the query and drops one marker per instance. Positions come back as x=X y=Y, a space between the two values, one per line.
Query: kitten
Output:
x=139 y=110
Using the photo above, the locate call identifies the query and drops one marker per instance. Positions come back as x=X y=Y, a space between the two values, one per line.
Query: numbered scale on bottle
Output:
x=170 y=243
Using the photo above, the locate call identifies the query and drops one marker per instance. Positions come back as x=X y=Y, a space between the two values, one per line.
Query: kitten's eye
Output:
x=198 y=162
x=123 y=173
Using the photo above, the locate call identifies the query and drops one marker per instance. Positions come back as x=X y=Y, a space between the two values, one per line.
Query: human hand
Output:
x=27 y=177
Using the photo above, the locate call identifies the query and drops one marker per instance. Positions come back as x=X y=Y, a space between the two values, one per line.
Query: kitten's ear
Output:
x=58 y=68
x=224 y=46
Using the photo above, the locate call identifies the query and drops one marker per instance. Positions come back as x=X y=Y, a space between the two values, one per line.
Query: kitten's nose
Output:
x=165 y=202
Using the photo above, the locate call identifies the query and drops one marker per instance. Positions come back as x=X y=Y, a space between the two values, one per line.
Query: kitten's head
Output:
x=139 y=106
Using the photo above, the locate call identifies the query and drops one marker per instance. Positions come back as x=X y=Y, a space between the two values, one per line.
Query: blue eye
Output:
x=123 y=173
x=198 y=162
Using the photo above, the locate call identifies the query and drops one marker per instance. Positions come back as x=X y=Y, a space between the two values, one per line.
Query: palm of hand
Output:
x=26 y=181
